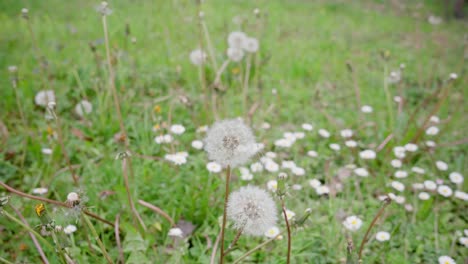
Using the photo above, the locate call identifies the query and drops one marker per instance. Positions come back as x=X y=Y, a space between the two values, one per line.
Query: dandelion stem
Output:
x=33 y=238
x=129 y=195
x=387 y=201
x=389 y=99
x=246 y=82
x=159 y=211
x=223 y=227
x=233 y=243
x=288 y=256
x=117 y=239
x=98 y=240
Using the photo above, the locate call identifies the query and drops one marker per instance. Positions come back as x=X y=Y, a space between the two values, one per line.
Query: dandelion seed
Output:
x=230 y=143
x=424 y=196
x=40 y=191
x=382 y=236
x=307 y=127
x=272 y=232
x=352 y=223
x=444 y=190
x=213 y=167
x=69 y=229
x=197 y=144
x=177 y=129
x=432 y=131
x=175 y=232
x=367 y=154
x=442 y=166
x=456 y=177
x=366 y=109
x=361 y=172
x=197 y=57
x=235 y=54
x=43 y=98
x=324 y=133
x=252 y=210
x=446 y=260
x=237 y=39
x=83 y=108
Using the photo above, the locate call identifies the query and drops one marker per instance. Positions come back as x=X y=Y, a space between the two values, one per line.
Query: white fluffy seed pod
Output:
x=230 y=143
x=252 y=210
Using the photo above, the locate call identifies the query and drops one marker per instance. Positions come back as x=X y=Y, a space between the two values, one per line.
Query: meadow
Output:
x=233 y=132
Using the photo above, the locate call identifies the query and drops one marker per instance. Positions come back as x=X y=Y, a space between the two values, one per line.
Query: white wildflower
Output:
x=361 y=172
x=446 y=260
x=307 y=127
x=352 y=223
x=432 y=131
x=456 y=177
x=335 y=147
x=411 y=147
x=175 y=232
x=314 y=183
x=346 y=133
x=424 y=196
x=272 y=232
x=69 y=229
x=367 y=154
x=398 y=186
x=213 y=167
x=351 y=143
x=396 y=163
x=197 y=57
x=418 y=170
x=444 y=190
x=197 y=144
x=324 y=133
x=46 y=151
x=400 y=174
x=441 y=165
x=382 y=236
x=366 y=109
x=430 y=185
x=272 y=185
x=312 y=153
x=83 y=108
x=177 y=129
x=40 y=190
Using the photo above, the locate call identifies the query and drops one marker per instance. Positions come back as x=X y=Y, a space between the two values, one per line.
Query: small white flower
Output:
x=397 y=99
x=346 y=133
x=69 y=229
x=453 y=76
x=335 y=147
x=73 y=197
x=352 y=223
x=177 y=129
x=366 y=109
x=444 y=190
x=197 y=57
x=314 y=183
x=434 y=119
x=382 y=236
x=175 y=232
x=271 y=155
x=197 y=144
x=399 y=199
x=399 y=152
x=409 y=208
x=312 y=153
x=298 y=171
x=256 y=167
x=299 y=135
x=237 y=39
x=430 y=144
x=463 y=196
x=40 y=190
x=411 y=147
x=290 y=214
x=351 y=143
x=361 y=172
x=46 y=151
x=235 y=54
x=272 y=232
x=456 y=177
x=463 y=241
x=307 y=127
x=398 y=186
x=418 y=170
x=284 y=143
x=271 y=166
x=418 y=186
x=446 y=260
x=163 y=139
x=435 y=20
x=265 y=125
x=297 y=187
x=272 y=185
x=202 y=129
x=288 y=164
x=400 y=174
x=395 y=77
x=432 y=131
x=441 y=165
x=250 y=45
x=424 y=196
x=43 y=98
x=177 y=159
x=213 y=167
x=83 y=108
x=247 y=176
x=430 y=185
x=396 y=163
x=367 y=154
x=324 y=133
x=322 y=189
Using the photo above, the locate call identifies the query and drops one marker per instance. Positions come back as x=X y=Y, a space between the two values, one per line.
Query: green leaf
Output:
x=425 y=210
x=134 y=242
x=137 y=257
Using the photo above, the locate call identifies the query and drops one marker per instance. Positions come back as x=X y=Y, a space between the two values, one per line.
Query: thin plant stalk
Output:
x=233 y=243
x=158 y=211
x=389 y=99
x=117 y=239
x=98 y=240
x=223 y=227
x=58 y=247
x=33 y=237
x=248 y=253
x=215 y=248
x=288 y=228
x=246 y=82
x=129 y=196
x=5 y=261
x=387 y=201
x=217 y=81
x=209 y=44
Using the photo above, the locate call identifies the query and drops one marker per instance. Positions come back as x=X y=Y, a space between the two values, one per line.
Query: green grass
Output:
x=304 y=47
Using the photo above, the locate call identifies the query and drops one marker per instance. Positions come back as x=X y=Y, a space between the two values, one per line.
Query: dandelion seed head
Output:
x=237 y=39
x=197 y=57
x=252 y=209
x=235 y=54
x=43 y=98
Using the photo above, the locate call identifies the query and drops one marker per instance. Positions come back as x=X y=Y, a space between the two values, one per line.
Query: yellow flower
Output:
x=157 y=109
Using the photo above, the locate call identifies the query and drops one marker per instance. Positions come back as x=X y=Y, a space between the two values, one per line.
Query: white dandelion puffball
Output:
x=346 y=133
x=230 y=143
x=441 y=165
x=250 y=45
x=367 y=154
x=361 y=172
x=400 y=174
x=398 y=186
x=432 y=131
x=47 y=151
x=366 y=109
x=197 y=57
x=175 y=232
x=351 y=143
x=252 y=209
x=444 y=190
x=382 y=236
x=237 y=39
x=40 y=190
x=197 y=144
x=272 y=232
x=324 y=133
x=307 y=127
x=235 y=54
x=177 y=129
x=69 y=229
x=396 y=163
x=446 y=260
x=424 y=196
x=83 y=108
x=43 y=98
x=352 y=223
x=213 y=167
x=456 y=177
